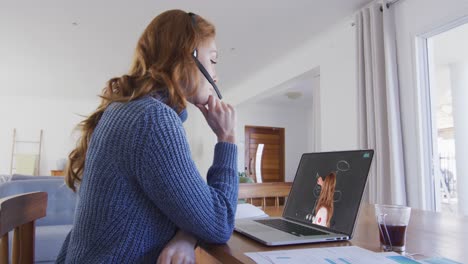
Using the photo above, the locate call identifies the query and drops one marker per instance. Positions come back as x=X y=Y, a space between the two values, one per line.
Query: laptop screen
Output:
x=328 y=188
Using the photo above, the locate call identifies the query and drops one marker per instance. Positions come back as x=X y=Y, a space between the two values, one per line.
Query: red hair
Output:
x=327 y=194
x=162 y=63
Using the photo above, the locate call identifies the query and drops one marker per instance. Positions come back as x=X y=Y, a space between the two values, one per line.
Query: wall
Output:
x=293 y=119
x=313 y=116
x=56 y=116
x=334 y=52
x=459 y=83
x=297 y=122
x=414 y=18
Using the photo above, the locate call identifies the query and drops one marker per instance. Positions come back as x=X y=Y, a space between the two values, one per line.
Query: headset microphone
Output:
x=200 y=66
x=206 y=74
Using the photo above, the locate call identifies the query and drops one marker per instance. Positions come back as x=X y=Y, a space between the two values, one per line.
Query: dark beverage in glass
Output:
x=395 y=236
x=392 y=221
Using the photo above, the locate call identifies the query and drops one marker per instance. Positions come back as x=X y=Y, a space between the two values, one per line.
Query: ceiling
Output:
x=71 y=48
x=302 y=86
x=451 y=46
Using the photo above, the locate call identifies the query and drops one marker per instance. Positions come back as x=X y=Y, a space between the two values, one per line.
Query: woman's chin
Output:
x=203 y=101
x=198 y=102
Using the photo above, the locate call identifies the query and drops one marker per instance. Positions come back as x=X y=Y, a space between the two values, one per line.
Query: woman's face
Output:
x=208 y=56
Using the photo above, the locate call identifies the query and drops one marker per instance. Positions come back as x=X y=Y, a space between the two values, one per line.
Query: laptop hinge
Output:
x=319 y=227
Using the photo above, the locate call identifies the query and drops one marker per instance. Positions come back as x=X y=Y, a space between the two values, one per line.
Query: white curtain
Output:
x=378 y=101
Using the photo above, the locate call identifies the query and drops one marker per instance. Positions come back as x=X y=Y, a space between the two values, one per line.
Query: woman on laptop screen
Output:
x=324 y=208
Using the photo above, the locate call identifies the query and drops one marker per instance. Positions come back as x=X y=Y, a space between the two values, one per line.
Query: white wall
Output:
x=313 y=116
x=334 y=52
x=295 y=122
x=56 y=116
x=414 y=18
x=459 y=83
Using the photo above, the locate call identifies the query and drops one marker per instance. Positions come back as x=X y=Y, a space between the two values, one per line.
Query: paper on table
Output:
x=409 y=258
x=439 y=260
x=247 y=211
x=328 y=255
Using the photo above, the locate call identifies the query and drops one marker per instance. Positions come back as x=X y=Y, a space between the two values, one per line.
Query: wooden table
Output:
x=57 y=173
x=429 y=234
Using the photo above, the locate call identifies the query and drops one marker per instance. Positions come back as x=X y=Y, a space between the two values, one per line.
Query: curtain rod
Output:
x=389 y=4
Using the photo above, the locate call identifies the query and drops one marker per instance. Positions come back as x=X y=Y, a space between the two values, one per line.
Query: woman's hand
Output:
x=221 y=117
x=320 y=181
x=180 y=250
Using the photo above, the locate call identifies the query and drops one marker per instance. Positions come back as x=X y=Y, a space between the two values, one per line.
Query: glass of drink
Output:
x=392 y=221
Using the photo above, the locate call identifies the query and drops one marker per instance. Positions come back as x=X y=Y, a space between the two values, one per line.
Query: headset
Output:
x=200 y=66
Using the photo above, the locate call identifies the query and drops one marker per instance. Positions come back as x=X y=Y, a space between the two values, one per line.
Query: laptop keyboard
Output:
x=289 y=227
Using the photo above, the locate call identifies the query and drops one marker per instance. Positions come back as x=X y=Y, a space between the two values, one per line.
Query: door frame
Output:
x=428 y=133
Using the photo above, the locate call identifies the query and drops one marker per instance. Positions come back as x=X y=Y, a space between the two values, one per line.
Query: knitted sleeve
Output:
x=169 y=177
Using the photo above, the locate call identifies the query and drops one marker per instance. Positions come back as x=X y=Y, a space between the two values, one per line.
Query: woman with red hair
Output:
x=141 y=197
x=324 y=208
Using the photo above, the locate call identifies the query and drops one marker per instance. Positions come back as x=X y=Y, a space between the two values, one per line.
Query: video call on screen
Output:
x=347 y=173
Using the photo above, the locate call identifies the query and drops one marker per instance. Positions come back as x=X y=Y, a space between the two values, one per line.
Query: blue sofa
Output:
x=52 y=229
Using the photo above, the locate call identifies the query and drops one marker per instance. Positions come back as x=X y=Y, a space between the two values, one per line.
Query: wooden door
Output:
x=272 y=163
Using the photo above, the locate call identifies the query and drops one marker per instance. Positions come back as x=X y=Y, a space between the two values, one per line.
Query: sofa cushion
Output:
x=60 y=202
x=21 y=177
x=5 y=178
x=49 y=241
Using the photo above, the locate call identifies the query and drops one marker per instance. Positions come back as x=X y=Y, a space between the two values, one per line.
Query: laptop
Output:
x=323 y=203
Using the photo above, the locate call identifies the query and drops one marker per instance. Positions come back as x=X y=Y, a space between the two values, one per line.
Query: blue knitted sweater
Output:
x=140 y=185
